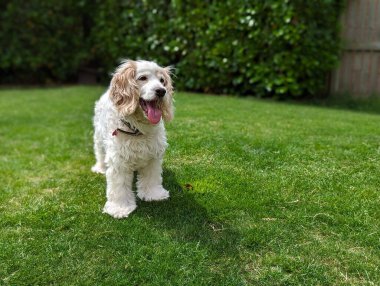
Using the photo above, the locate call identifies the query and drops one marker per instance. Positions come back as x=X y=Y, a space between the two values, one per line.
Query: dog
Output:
x=130 y=135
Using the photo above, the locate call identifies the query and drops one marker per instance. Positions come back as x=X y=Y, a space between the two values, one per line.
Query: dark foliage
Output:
x=277 y=47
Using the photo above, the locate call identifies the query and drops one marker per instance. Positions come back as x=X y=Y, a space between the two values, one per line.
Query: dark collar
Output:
x=131 y=130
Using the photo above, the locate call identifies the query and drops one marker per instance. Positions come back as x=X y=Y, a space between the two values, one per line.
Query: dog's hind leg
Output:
x=100 y=166
x=149 y=182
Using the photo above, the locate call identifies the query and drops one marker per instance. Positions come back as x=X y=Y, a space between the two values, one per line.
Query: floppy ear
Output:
x=168 y=108
x=124 y=90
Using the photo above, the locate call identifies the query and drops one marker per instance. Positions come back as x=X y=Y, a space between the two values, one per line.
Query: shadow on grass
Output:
x=369 y=105
x=188 y=221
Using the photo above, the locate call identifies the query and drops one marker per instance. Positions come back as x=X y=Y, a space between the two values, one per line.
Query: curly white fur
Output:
x=134 y=86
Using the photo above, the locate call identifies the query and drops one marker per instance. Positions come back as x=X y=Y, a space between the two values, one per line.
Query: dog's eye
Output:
x=142 y=78
x=162 y=80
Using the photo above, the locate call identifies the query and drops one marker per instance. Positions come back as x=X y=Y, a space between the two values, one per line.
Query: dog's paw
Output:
x=154 y=194
x=98 y=168
x=118 y=210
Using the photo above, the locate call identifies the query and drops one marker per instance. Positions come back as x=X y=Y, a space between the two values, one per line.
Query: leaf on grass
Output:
x=188 y=187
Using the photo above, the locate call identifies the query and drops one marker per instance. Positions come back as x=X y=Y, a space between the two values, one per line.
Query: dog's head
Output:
x=143 y=88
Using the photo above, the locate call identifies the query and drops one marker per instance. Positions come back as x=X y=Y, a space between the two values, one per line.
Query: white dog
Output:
x=130 y=134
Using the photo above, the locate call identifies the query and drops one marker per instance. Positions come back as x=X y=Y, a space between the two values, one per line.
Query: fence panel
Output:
x=359 y=69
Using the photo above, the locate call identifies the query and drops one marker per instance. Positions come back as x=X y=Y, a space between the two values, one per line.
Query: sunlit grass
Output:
x=262 y=193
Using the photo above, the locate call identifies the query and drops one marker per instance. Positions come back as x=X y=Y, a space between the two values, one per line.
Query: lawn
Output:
x=262 y=193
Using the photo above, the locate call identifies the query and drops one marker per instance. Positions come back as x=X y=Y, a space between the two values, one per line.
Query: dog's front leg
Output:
x=149 y=182
x=120 y=198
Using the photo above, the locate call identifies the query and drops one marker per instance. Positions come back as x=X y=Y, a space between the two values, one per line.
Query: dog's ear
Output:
x=124 y=90
x=168 y=108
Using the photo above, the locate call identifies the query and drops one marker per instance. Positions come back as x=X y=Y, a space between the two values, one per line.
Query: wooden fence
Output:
x=359 y=71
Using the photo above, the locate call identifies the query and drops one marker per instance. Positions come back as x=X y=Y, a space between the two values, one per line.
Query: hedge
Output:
x=277 y=47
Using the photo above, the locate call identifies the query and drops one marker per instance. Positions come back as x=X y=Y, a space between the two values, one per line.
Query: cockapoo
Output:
x=130 y=134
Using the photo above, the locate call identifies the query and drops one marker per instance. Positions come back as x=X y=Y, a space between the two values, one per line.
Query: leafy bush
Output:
x=42 y=40
x=276 y=47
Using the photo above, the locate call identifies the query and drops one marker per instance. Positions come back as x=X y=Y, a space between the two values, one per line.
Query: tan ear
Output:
x=168 y=108
x=124 y=90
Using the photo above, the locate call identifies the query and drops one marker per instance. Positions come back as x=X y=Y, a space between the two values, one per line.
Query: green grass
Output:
x=262 y=193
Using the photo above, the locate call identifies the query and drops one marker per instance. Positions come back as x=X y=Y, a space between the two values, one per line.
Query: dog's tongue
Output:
x=154 y=114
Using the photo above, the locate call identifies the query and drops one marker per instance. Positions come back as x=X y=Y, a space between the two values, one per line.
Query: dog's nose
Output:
x=160 y=92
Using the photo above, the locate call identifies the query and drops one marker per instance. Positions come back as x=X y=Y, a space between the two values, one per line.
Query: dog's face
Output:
x=143 y=89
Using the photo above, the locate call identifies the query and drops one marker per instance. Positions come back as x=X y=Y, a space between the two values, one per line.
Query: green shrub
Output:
x=42 y=40
x=263 y=47
x=277 y=47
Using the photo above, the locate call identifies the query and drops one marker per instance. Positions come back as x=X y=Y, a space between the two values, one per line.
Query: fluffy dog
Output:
x=130 y=134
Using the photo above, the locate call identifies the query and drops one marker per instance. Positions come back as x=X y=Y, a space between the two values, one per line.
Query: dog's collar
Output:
x=132 y=130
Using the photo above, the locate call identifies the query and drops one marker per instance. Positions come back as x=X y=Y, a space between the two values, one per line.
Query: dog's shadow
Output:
x=186 y=220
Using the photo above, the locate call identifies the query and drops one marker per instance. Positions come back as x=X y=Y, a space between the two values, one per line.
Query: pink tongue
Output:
x=154 y=114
